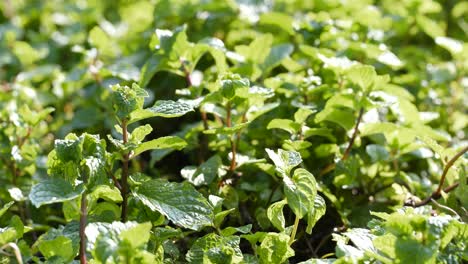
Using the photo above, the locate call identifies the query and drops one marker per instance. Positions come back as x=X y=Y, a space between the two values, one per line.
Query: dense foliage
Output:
x=238 y=131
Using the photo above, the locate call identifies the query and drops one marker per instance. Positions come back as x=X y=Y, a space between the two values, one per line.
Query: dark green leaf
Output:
x=53 y=191
x=181 y=203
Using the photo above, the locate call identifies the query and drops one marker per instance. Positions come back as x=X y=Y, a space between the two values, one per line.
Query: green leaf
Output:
x=13 y=231
x=255 y=112
x=25 y=53
x=215 y=249
x=361 y=238
x=284 y=161
x=230 y=230
x=6 y=207
x=454 y=46
x=162 y=108
x=179 y=202
x=205 y=173
x=59 y=246
x=99 y=39
x=343 y=117
x=315 y=213
x=139 y=133
x=321 y=131
x=258 y=49
x=126 y=100
x=377 y=153
x=175 y=43
x=227 y=130
x=275 y=248
x=302 y=114
x=300 y=191
x=154 y=64
x=219 y=217
x=119 y=242
x=233 y=85
x=279 y=20
x=430 y=27
x=276 y=55
x=169 y=142
x=276 y=216
x=285 y=124
x=106 y=193
x=53 y=191
x=69 y=149
x=362 y=75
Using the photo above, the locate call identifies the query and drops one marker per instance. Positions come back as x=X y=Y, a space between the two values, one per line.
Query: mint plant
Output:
x=235 y=131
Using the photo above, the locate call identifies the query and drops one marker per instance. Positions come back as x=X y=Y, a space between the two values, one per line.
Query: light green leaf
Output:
x=343 y=117
x=171 y=142
x=53 y=191
x=215 y=249
x=58 y=246
x=362 y=75
x=230 y=230
x=13 y=231
x=227 y=130
x=107 y=193
x=258 y=50
x=300 y=191
x=5 y=208
x=118 y=241
x=362 y=238
x=319 y=131
x=276 y=216
x=284 y=161
x=302 y=114
x=280 y=20
x=139 y=133
x=315 y=213
x=179 y=202
x=162 y=108
x=233 y=85
x=103 y=43
x=16 y=194
x=275 y=248
x=284 y=124
x=26 y=54
x=255 y=111
x=430 y=27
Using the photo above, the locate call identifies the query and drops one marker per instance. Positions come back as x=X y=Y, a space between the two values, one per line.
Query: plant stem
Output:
x=16 y=251
x=436 y=194
x=294 y=231
x=447 y=167
x=332 y=166
x=232 y=167
x=83 y=214
x=124 y=180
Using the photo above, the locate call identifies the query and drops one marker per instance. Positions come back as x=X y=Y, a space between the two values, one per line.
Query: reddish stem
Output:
x=332 y=166
x=124 y=180
x=83 y=214
x=437 y=194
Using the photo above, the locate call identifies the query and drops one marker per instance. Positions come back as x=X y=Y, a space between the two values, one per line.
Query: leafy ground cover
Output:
x=239 y=131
